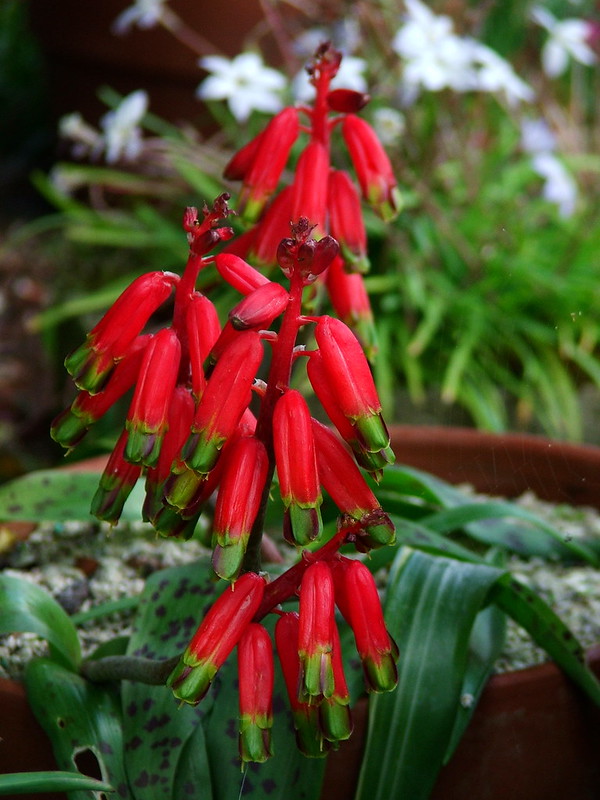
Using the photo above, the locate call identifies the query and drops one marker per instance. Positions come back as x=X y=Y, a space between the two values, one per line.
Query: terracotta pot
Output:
x=533 y=736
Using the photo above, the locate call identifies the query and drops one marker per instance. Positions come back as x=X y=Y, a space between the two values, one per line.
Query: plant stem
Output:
x=131 y=668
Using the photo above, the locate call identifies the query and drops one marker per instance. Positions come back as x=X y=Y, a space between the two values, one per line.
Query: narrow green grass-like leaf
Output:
x=496 y=528
x=546 y=629
x=15 y=783
x=82 y=720
x=26 y=607
x=431 y=605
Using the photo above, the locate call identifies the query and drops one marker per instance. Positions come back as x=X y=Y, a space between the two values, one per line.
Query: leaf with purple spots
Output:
x=162 y=741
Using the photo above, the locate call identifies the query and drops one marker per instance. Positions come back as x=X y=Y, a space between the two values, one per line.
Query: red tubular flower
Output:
x=310 y=186
x=117 y=481
x=357 y=598
x=270 y=158
x=309 y=736
x=180 y=416
x=238 y=273
x=242 y=484
x=259 y=308
x=256 y=677
x=297 y=468
x=239 y=164
x=147 y=418
x=273 y=226
x=334 y=711
x=350 y=301
x=346 y=220
x=373 y=168
x=71 y=425
x=227 y=395
x=92 y=362
x=219 y=632
x=315 y=633
x=350 y=380
x=344 y=483
x=203 y=329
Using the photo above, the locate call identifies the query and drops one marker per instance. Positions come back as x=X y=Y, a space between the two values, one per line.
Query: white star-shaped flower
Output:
x=143 y=13
x=559 y=186
x=495 y=74
x=245 y=82
x=122 y=134
x=567 y=39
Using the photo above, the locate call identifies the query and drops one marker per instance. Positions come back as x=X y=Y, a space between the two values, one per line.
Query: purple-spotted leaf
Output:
x=164 y=744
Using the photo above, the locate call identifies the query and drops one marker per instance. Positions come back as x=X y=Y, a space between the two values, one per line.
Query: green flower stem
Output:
x=130 y=668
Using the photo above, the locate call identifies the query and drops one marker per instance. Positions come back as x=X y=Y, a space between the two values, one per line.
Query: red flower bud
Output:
x=373 y=167
x=147 y=418
x=92 y=362
x=259 y=308
x=219 y=632
x=116 y=482
x=346 y=220
x=203 y=329
x=350 y=301
x=358 y=599
x=297 y=468
x=256 y=676
x=227 y=395
x=347 y=101
x=272 y=228
x=238 y=165
x=270 y=158
x=238 y=273
x=245 y=468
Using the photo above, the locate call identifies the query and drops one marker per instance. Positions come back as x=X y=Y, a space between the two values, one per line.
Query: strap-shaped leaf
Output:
x=27 y=608
x=547 y=629
x=15 y=783
x=79 y=717
x=431 y=605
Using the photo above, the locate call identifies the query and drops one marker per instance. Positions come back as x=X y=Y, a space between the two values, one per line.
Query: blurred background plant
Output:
x=485 y=287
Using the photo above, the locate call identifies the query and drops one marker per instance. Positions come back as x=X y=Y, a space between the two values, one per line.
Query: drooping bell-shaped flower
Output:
x=227 y=395
x=372 y=165
x=309 y=736
x=357 y=598
x=310 y=186
x=202 y=329
x=217 y=635
x=116 y=482
x=349 y=298
x=147 y=419
x=346 y=220
x=316 y=631
x=91 y=364
x=334 y=712
x=344 y=483
x=273 y=226
x=269 y=159
x=349 y=378
x=240 y=492
x=69 y=428
x=297 y=468
x=256 y=676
